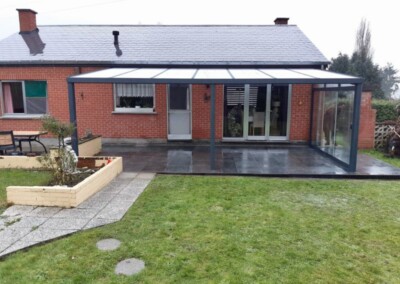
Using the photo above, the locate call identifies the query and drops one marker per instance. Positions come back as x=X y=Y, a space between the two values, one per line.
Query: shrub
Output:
x=385 y=110
x=62 y=163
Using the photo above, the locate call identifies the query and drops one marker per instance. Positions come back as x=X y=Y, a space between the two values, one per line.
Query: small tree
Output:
x=57 y=128
x=390 y=80
x=63 y=163
x=361 y=62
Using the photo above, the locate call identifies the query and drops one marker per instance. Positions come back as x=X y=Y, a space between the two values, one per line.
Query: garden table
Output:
x=29 y=136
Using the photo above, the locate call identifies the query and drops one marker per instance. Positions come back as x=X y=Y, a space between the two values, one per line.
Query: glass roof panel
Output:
x=321 y=74
x=212 y=74
x=284 y=74
x=248 y=74
x=143 y=73
x=107 y=73
x=175 y=73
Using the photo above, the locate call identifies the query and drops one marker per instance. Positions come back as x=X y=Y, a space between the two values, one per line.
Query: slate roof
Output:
x=163 y=45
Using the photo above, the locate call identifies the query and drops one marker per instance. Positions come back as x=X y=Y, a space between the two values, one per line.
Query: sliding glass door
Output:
x=256 y=112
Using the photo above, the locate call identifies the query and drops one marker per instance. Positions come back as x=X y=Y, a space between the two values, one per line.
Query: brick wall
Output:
x=95 y=106
x=300 y=112
x=366 y=133
x=56 y=88
x=201 y=111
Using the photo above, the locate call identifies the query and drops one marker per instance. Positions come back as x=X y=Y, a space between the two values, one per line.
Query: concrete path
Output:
x=25 y=226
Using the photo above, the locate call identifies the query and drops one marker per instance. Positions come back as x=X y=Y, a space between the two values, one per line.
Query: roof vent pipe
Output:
x=118 y=51
x=115 y=34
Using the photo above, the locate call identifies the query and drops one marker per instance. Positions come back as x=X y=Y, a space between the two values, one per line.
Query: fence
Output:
x=382 y=132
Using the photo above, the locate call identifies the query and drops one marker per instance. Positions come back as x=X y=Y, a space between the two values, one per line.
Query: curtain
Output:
x=8 y=104
x=134 y=90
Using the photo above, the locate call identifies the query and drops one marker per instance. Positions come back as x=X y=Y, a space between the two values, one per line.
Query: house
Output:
x=163 y=83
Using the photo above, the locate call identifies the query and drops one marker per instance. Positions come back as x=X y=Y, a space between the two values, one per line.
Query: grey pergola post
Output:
x=72 y=116
x=212 y=128
x=355 y=128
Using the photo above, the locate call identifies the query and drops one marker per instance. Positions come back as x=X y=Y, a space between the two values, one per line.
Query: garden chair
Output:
x=7 y=141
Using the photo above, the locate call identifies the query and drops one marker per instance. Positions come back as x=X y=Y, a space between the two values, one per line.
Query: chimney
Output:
x=281 y=21
x=27 y=20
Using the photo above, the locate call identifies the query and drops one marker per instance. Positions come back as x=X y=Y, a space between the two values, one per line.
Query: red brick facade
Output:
x=300 y=112
x=366 y=132
x=27 y=20
x=95 y=107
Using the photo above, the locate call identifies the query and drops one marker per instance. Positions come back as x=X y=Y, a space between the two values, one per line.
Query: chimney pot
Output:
x=281 y=21
x=27 y=20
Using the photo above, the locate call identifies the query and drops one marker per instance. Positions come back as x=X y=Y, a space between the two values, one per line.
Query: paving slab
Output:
x=44 y=212
x=44 y=234
x=128 y=175
x=25 y=226
x=88 y=213
x=65 y=223
x=148 y=176
x=129 y=266
x=98 y=222
x=18 y=210
x=28 y=222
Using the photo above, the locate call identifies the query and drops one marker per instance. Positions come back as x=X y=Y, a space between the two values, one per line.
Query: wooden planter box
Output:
x=19 y=162
x=63 y=196
x=89 y=147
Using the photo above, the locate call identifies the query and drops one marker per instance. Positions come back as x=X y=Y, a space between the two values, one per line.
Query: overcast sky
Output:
x=331 y=25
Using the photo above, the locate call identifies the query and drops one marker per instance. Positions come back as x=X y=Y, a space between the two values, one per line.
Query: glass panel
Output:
x=13 y=98
x=145 y=73
x=343 y=125
x=233 y=111
x=213 y=74
x=284 y=74
x=107 y=73
x=332 y=122
x=36 y=105
x=177 y=74
x=35 y=89
x=322 y=74
x=178 y=97
x=248 y=74
x=257 y=108
x=279 y=110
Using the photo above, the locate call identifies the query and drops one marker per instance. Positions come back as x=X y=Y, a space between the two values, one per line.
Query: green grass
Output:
x=235 y=230
x=382 y=156
x=19 y=177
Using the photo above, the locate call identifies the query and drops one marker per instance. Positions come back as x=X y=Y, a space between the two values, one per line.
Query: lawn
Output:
x=19 y=177
x=382 y=156
x=235 y=230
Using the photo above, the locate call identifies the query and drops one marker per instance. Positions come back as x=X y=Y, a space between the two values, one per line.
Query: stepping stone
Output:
x=108 y=244
x=129 y=266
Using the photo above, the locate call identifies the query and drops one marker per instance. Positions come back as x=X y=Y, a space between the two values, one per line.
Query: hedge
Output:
x=385 y=110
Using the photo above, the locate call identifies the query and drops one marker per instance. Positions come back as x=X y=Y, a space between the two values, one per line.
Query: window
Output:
x=26 y=97
x=134 y=97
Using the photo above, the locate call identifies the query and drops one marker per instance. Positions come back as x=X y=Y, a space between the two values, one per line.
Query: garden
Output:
x=234 y=230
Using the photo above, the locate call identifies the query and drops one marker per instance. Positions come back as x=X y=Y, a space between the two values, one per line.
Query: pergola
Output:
x=323 y=81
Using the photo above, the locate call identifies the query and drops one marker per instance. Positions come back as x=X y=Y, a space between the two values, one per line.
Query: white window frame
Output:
x=21 y=115
x=133 y=110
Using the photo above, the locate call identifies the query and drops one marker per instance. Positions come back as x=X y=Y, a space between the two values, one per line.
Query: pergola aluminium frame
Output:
x=216 y=76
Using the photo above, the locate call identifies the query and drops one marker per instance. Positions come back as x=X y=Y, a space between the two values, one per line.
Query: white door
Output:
x=179 y=112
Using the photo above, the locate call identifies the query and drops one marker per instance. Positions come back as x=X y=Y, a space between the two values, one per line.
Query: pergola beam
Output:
x=72 y=117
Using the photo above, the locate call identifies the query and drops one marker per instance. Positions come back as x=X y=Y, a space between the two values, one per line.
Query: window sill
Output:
x=135 y=111
x=22 y=116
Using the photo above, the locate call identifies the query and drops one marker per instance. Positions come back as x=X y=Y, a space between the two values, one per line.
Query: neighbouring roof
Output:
x=163 y=45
